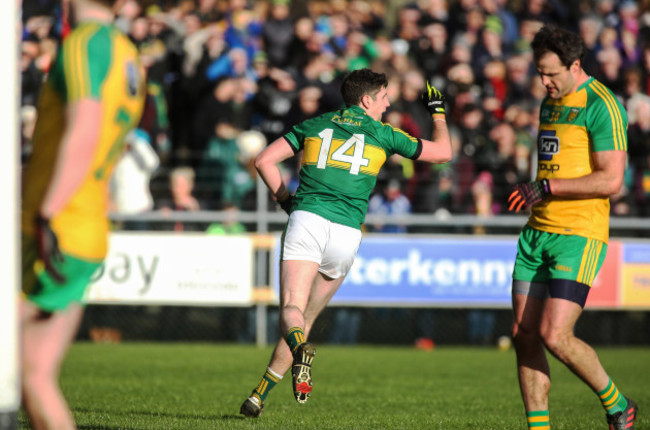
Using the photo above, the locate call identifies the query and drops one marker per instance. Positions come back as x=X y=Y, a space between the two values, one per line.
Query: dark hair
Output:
x=567 y=45
x=359 y=83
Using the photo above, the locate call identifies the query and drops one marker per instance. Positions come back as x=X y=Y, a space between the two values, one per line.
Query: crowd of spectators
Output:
x=218 y=68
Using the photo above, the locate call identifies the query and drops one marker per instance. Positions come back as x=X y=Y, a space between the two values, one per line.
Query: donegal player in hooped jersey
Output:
x=342 y=153
x=93 y=97
x=582 y=144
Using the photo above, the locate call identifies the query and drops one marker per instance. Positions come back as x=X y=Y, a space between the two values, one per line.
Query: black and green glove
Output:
x=48 y=249
x=433 y=100
x=527 y=194
x=286 y=204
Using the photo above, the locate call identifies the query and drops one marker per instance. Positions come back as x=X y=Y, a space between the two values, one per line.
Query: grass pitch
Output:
x=201 y=386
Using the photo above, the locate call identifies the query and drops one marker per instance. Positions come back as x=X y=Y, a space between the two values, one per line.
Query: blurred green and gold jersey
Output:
x=99 y=62
x=588 y=120
x=343 y=153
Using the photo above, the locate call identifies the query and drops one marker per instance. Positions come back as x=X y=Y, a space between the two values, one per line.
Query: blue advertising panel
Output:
x=636 y=253
x=430 y=271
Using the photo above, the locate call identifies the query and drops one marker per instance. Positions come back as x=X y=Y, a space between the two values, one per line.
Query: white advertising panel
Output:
x=174 y=269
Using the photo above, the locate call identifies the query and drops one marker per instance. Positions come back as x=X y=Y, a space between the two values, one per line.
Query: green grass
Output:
x=201 y=386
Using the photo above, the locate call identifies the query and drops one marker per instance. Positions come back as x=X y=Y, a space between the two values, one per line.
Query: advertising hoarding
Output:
x=635 y=291
x=174 y=269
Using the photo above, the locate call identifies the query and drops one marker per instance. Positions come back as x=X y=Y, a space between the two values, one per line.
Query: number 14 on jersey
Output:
x=354 y=160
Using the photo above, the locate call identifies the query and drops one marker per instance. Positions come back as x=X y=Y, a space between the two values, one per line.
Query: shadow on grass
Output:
x=102 y=427
x=130 y=413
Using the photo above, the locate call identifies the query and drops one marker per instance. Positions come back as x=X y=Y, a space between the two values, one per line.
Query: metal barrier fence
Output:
x=345 y=323
x=262 y=221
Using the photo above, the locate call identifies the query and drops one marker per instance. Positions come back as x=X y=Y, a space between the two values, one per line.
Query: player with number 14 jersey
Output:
x=343 y=153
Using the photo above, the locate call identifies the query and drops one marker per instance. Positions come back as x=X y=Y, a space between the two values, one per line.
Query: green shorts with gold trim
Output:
x=46 y=293
x=542 y=256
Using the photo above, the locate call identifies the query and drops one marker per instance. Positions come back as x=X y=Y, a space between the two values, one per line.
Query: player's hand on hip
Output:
x=48 y=248
x=527 y=194
x=286 y=204
x=433 y=100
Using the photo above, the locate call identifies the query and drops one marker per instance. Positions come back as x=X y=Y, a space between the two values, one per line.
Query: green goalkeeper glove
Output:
x=527 y=194
x=433 y=100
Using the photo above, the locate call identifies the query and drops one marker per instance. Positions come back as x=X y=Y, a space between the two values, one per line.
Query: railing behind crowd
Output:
x=358 y=321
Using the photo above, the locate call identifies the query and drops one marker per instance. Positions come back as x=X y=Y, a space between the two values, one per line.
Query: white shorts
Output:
x=311 y=237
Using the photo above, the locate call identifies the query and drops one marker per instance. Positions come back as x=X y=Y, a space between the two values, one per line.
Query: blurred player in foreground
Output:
x=93 y=96
x=343 y=152
x=582 y=147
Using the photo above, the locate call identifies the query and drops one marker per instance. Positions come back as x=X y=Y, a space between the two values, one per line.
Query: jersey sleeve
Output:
x=607 y=121
x=403 y=143
x=296 y=139
x=85 y=63
x=300 y=132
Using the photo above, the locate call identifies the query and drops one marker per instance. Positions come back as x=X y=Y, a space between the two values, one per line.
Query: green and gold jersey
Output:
x=343 y=152
x=95 y=61
x=588 y=120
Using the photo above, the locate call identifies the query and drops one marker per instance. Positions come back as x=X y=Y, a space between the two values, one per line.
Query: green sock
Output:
x=538 y=420
x=269 y=380
x=295 y=336
x=612 y=399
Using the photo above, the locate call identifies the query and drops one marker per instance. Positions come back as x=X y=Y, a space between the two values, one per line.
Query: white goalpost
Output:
x=10 y=25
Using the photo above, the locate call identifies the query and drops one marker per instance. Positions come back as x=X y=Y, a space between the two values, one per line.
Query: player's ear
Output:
x=366 y=100
x=575 y=66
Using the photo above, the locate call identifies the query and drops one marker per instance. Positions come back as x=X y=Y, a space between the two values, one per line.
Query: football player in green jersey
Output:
x=582 y=148
x=93 y=97
x=342 y=153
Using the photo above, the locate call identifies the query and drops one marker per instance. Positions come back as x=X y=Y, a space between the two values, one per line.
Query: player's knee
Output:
x=523 y=334
x=34 y=382
x=556 y=341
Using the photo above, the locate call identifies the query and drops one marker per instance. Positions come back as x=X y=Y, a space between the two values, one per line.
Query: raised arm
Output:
x=437 y=150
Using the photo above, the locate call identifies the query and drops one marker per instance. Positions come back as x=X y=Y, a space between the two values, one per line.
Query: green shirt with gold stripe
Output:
x=343 y=152
x=571 y=129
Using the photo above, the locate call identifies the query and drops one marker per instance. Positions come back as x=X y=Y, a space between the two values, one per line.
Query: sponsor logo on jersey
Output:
x=549 y=167
x=548 y=145
x=350 y=121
